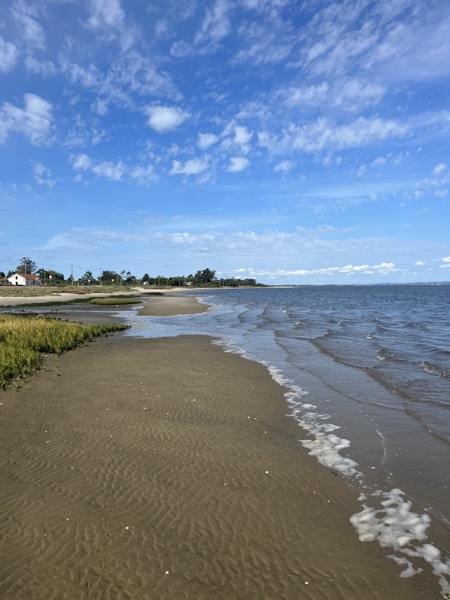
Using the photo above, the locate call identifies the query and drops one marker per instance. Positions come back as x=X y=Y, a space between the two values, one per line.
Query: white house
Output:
x=24 y=279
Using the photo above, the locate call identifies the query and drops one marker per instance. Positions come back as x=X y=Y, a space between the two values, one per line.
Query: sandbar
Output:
x=172 y=305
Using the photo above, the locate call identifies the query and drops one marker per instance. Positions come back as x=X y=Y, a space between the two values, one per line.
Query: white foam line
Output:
x=326 y=446
x=393 y=524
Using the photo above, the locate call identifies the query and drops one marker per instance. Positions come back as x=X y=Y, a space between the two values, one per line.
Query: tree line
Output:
x=206 y=277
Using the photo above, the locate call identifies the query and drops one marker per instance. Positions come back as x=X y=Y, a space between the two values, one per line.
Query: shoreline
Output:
x=153 y=304
x=168 y=468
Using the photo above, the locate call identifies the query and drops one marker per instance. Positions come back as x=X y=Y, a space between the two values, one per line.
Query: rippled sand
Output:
x=166 y=469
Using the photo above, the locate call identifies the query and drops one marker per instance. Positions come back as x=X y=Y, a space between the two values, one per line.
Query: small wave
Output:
x=435 y=369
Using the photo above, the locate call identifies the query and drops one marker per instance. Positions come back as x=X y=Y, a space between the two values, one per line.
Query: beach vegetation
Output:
x=114 y=301
x=25 y=339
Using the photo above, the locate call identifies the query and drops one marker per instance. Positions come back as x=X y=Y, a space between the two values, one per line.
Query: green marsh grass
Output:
x=114 y=301
x=25 y=339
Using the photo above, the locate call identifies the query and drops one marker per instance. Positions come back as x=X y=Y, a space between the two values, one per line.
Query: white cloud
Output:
x=165 y=118
x=129 y=75
x=31 y=31
x=81 y=162
x=216 y=23
x=34 y=120
x=107 y=169
x=322 y=134
x=269 y=51
x=181 y=49
x=143 y=175
x=105 y=13
x=190 y=167
x=100 y=106
x=8 y=55
x=351 y=94
x=416 y=49
x=440 y=168
x=379 y=269
x=362 y=170
x=241 y=135
x=408 y=42
x=378 y=162
x=238 y=164
x=348 y=94
x=419 y=263
x=307 y=95
x=264 y=5
x=284 y=166
x=44 y=68
x=205 y=140
x=43 y=175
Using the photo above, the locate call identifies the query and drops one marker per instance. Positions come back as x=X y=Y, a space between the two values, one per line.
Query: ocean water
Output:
x=368 y=374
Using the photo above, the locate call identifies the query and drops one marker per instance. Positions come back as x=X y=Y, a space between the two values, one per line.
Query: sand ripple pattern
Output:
x=166 y=469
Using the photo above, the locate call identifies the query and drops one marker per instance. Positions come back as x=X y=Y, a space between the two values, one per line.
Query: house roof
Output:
x=27 y=276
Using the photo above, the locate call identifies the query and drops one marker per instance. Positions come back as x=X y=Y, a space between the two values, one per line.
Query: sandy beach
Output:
x=167 y=469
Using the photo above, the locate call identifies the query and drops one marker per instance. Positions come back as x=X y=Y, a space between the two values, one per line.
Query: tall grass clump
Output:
x=25 y=339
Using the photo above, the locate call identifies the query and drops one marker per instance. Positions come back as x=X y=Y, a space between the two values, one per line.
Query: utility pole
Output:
x=71 y=273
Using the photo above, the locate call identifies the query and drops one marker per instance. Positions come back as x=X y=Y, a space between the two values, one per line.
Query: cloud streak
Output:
x=34 y=120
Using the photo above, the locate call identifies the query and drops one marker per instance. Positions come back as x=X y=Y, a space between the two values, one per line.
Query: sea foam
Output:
x=394 y=525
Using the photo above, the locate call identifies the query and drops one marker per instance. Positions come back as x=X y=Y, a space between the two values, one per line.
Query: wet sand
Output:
x=167 y=469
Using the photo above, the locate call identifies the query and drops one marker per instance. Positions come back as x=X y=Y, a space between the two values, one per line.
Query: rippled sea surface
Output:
x=368 y=369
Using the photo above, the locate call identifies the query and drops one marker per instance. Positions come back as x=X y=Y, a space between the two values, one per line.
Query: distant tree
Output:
x=176 y=281
x=109 y=278
x=248 y=282
x=204 y=277
x=26 y=265
x=160 y=280
x=2 y=274
x=88 y=279
x=50 y=276
x=207 y=277
x=129 y=279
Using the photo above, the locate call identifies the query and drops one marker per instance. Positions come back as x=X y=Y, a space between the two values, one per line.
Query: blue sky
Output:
x=290 y=141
